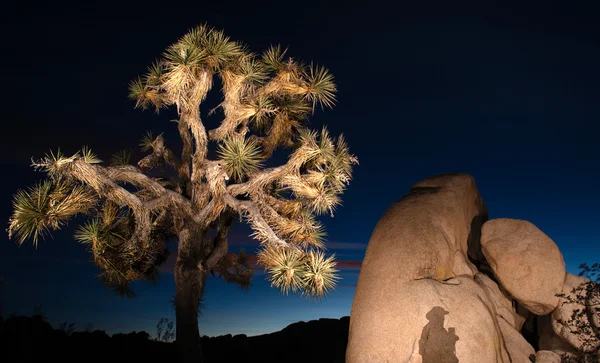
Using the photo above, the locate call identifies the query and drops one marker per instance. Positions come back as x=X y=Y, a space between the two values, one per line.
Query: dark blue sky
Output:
x=509 y=94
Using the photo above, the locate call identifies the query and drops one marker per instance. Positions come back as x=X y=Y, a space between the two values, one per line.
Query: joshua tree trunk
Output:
x=189 y=286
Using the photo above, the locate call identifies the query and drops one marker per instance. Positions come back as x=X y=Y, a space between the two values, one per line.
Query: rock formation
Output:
x=525 y=261
x=441 y=283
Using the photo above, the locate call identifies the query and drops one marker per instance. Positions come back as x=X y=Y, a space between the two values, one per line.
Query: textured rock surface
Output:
x=549 y=340
x=441 y=322
x=526 y=262
x=562 y=314
x=425 y=235
x=521 y=315
x=518 y=348
x=546 y=356
x=502 y=302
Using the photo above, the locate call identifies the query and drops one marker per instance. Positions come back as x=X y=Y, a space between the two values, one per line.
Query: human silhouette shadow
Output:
x=438 y=345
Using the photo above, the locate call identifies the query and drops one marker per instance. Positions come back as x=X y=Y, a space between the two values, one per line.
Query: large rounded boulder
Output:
x=425 y=237
x=527 y=263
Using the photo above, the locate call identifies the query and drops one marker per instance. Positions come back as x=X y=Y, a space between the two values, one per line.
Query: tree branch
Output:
x=104 y=182
x=94 y=176
x=220 y=243
x=160 y=152
x=259 y=180
x=186 y=155
x=191 y=120
x=131 y=175
x=236 y=112
x=263 y=231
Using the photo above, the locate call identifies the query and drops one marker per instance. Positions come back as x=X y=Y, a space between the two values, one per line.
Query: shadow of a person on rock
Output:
x=438 y=345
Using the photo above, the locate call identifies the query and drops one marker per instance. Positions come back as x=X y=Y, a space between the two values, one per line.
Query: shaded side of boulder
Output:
x=522 y=315
x=527 y=263
x=502 y=301
x=518 y=348
x=549 y=340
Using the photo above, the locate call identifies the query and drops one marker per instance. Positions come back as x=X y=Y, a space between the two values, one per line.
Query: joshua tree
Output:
x=132 y=210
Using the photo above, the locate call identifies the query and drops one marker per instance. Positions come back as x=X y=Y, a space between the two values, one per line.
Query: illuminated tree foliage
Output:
x=133 y=209
x=584 y=321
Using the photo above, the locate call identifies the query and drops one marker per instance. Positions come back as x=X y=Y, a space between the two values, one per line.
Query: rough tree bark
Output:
x=189 y=285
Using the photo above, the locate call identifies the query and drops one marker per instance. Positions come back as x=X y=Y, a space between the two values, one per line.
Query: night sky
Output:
x=509 y=94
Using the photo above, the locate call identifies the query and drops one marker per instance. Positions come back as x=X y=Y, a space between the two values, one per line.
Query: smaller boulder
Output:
x=527 y=263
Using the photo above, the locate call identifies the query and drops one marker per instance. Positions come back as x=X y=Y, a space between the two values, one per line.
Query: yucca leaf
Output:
x=154 y=76
x=293 y=107
x=88 y=156
x=137 y=93
x=196 y=37
x=46 y=206
x=182 y=55
x=326 y=201
x=122 y=157
x=253 y=70
x=52 y=163
x=321 y=86
x=147 y=142
x=319 y=275
x=284 y=267
x=273 y=57
x=89 y=233
x=264 y=108
x=220 y=49
x=239 y=156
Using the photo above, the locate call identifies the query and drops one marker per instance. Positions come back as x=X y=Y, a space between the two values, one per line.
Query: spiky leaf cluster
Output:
x=73 y=188
x=183 y=75
x=272 y=92
x=304 y=230
x=122 y=157
x=46 y=207
x=294 y=270
x=61 y=168
x=235 y=268
x=106 y=236
x=240 y=157
x=324 y=170
x=147 y=141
